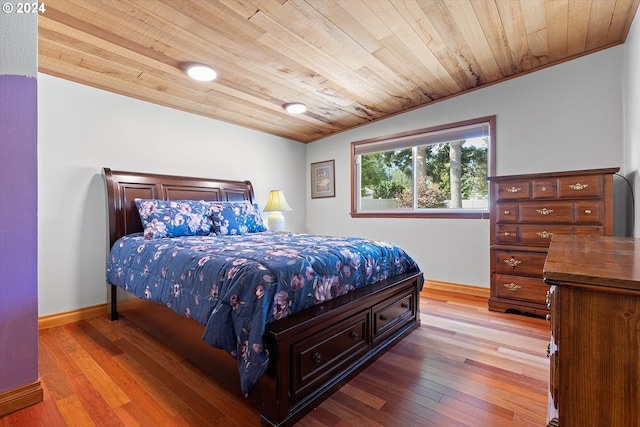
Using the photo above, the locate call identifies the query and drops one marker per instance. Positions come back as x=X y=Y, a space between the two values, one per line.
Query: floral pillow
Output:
x=236 y=218
x=174 y=218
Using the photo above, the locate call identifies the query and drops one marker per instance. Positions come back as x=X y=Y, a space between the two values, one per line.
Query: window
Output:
x=436 y=172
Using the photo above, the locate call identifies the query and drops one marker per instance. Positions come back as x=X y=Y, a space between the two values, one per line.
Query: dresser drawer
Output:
x=589 y=231
x=390 y=315
x=522 y=288
x=589 y=212
x=578 y=187
x=507 y=234
x=513 y=190
x=545 y=212
x=540 y=235
x=506 y=212
x=519 y=262
x=318 y=358
x=544 y=189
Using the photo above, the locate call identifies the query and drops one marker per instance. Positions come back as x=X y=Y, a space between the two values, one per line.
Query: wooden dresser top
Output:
x=538 y=176
x=612 y=262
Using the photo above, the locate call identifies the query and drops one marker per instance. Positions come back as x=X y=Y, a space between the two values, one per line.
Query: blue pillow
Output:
x=174 y=218
x=235 y=218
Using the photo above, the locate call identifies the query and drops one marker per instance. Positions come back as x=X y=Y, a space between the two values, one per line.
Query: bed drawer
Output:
x=321 y=356
x=390 y=315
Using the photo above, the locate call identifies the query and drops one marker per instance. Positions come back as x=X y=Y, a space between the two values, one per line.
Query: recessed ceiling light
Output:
x=295 y=107
x=201 y=72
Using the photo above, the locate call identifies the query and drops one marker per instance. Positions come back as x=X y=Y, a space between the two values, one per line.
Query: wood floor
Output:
x=465 y=366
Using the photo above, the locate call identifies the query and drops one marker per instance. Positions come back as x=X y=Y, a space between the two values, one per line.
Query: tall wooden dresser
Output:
x=595 y=331
x=526 y=211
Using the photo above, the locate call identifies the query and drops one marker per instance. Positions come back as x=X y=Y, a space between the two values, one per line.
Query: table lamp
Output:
x=275 y=205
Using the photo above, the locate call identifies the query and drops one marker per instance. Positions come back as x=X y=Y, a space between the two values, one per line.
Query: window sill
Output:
x=457 y=214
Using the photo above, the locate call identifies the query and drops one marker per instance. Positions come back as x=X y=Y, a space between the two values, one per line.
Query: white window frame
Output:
x=483 y=126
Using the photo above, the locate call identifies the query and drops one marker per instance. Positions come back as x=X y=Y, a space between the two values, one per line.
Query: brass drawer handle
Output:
x=578 y=186
x=544 y=211
x=506 y=233
x=507 y=212
x=587 y=211
x=512 y=287
x=512 y=262
x=549 y=350
x=544 y=188
x=544 y=234
x=317 y=357
x=513 y=189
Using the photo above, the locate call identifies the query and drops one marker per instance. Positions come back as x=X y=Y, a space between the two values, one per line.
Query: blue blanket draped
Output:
x=235 y=285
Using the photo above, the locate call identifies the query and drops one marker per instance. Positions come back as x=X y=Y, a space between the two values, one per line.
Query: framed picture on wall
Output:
x=323 y=182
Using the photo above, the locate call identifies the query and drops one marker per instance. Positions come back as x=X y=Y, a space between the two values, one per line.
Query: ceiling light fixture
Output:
x=295 y=108
x=201 y=72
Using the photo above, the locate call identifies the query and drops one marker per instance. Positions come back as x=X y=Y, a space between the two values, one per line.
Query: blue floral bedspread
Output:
x=235 y=285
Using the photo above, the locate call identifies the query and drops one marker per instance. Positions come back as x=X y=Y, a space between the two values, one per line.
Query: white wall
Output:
x=565 y=117
x=19 y=43
x=82 y=129
x=631 y=85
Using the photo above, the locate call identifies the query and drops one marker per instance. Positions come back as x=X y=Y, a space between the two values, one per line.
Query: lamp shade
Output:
x=277 y=202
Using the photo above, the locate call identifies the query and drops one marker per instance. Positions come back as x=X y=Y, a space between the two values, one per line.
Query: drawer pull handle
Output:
x=548 y=299
x=549 y=350
x=354 y=335
x=512 y=287
x=383 y=318
x=544 y=188
x=507 y=212
x=578 y=186
x=506 y=233
x=317 y=357
x=404 y=305
x=513 y=189
x=544 y=234
x=544 y=211
x=547 y=318
x=512 y=262
x=587 y=211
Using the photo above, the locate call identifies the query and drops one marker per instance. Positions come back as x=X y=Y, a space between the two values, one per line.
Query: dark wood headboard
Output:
x=124 y=187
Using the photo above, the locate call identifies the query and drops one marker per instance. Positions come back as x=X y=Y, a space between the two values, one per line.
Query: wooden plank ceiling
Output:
x=350 y=61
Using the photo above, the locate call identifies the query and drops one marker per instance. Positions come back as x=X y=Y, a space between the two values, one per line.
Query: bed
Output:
x=290 y=353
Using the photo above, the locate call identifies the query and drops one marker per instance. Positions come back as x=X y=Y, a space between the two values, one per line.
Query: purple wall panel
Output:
x=18 y=232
